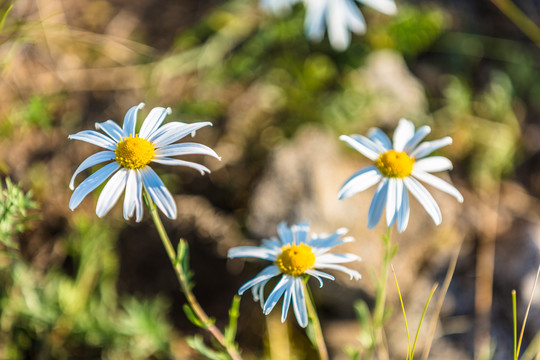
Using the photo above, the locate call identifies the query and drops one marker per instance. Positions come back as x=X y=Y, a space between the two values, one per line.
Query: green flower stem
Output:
x=184 y=284
x=380 y=299
x=315 y=324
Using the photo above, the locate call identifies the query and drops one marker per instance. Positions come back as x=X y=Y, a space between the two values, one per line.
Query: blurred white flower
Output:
x=396 y=168
x=337 y=17
x=129 y=154
x=294 y=256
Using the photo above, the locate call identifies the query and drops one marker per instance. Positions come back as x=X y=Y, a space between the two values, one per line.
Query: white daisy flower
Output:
x=294 y=256
x=396 y=169
x=129 y=153
x=338 y=17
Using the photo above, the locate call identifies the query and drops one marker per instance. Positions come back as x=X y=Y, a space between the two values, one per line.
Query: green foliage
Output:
x=36 y=113
x=58 y=314
x=14 y=207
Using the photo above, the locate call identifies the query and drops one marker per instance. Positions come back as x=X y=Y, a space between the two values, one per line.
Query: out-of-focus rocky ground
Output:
x=260 y=181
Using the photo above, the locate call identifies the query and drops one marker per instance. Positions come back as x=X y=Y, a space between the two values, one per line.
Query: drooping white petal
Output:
x=253 y=252
x=152 y=122
x=419 y=135
x=130 y=120
x=92 y=182
x=424 y=198
x=299 y=302
x=387 y=7
x=186 y=149
x=285 y=234
x=266 y=273
x=426 y=148
x=258 y=292
x=363 y=145
x=377 y=203
x=95 y=138
x=111 y=192
x=315 y=21
x=330 y=258
x=158 y=192
x=433 y=164
x=286 y=303
x=174 y=131
x=391 y=201
x=360 y=181
x=278 y=7
x=438 y=183
x=133 y=196
x=378 y=136
x=169 y=161
x=403 y=206
x=403 y=133
x=338 y=32
x=352 y=273
x=285 y=282
x=319 y=275
x=95 y=159
x=111 y=128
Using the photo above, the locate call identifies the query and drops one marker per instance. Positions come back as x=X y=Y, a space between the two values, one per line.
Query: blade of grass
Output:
x=440 y=301
x=527 y=312
x=404 y=314
x=422 y=318
x=514 y=321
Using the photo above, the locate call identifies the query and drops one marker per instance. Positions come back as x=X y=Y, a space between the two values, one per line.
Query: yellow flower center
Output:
x=134 y=153
x=294 y=260
x=395 y=164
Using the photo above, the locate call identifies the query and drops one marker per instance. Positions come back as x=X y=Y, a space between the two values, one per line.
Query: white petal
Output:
x=94 y=137
x=378 y=203
x=91 y=161
x=92 y=182
x=335 y=258
x=363 y=145
x=299 y=302
x=169 y=161
x=419 y=135
x=403 y=212
x=300 y=232
x=315 y=20
x=319 y=275
x=391 y=201
x=424 y=198
x=354 y=18
x=174 y=131
x=111 y=192
x=286 y=303
x=426 y=148
x=338 y=33
x=153 y=121
x=111 y=128
x=360 y=181
x=186 y=149
x=253 y=251
x=285 y=234
x=352 y=273
x=438 y=183
x=285 y=282
x=266 y=273
x=433 y=164
x=130 y=120
x=378 y=136
x=158 y=192
x=133 y=196
x=403 y=133
x=385 y=6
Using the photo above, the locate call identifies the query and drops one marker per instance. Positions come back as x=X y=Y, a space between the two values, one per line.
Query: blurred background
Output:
x=74 y=286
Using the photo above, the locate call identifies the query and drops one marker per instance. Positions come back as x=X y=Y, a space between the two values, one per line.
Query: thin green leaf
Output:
x=192 y=316
x=197 y=344
x=404 y=315
x=514 y=321
x=4 y=16
x=422 y=318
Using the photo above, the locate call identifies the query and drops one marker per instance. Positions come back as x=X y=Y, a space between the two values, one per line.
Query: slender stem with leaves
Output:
x=314 y=326
x=194 y=311
x=380 y=298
